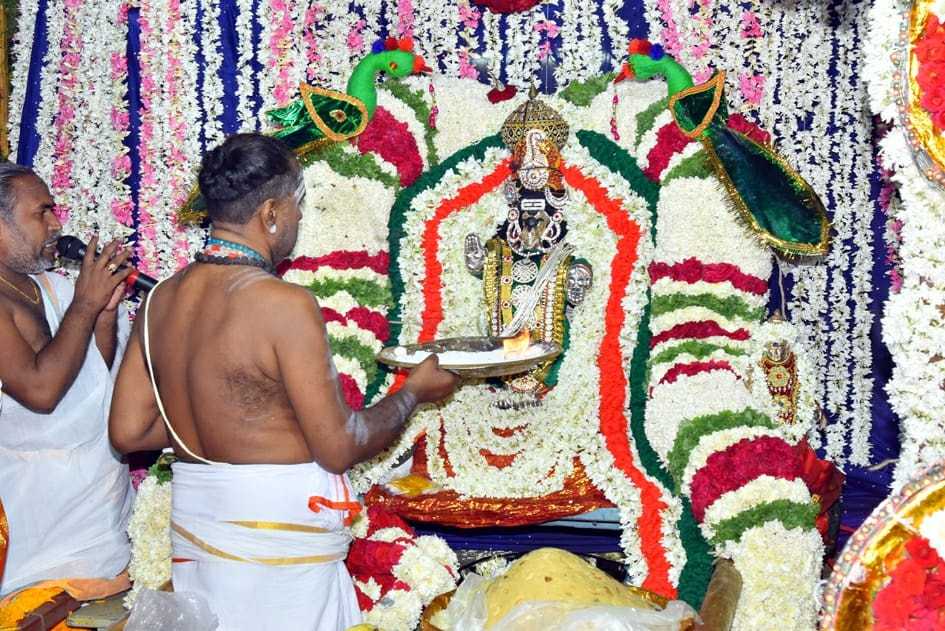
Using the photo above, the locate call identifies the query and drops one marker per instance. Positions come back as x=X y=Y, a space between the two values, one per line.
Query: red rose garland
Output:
x=692 y=271
x=391 y=140
x=695 y=368
x=698 y=331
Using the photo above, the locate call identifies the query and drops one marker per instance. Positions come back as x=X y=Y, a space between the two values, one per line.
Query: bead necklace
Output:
x=224 y=252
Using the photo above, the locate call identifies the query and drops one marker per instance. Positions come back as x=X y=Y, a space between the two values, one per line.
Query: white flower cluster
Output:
x=150 y=531
x=780 y=572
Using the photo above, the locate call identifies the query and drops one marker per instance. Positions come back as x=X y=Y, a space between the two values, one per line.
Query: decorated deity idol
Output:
x=531 y=279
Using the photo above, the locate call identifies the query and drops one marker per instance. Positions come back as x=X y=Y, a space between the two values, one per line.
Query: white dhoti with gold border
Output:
x=245 y=538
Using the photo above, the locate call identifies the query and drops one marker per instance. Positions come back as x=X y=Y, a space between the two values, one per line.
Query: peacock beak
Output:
x=420 y=66
x=626 y=72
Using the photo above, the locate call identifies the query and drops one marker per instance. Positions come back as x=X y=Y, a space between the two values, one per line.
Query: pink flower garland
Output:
x=670 y=32
x=312 y=57
x=145 y=248
x=71 y=48
x=404 y=18
x=121 y=124
x=280 y=49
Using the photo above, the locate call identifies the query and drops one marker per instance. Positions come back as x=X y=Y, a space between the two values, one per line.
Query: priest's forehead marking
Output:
x=300 y=189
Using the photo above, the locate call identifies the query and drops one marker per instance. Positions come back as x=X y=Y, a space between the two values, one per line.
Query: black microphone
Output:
x=72 y=248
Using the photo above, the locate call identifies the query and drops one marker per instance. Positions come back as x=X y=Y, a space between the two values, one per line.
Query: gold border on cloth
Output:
x=217 y=552
x=876 y=548
x=716 y=83
x=787 y=248
x=277 y=525
x=308 y=91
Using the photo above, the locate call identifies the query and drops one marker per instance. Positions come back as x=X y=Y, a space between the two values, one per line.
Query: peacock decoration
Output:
x=770 y=197
x=322 y=117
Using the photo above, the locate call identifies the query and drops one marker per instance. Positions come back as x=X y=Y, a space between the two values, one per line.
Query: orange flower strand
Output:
x=613 y=381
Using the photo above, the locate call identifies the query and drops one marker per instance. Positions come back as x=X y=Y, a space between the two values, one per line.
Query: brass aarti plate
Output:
x=490 y=361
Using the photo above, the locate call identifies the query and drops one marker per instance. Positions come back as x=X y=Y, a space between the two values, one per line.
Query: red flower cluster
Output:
x=930 y=51
x=391 y=140
x=693 y=270
x=914 y=598
x=377 y=559
x=698 y=331
x=506 y=6
x=738 y=465
x=695 y=368
x=737 y=122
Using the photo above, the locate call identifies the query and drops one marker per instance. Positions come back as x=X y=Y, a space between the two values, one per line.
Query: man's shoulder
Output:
x=275 y=293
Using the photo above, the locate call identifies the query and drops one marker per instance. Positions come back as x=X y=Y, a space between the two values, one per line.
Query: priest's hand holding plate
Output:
x=429 y=382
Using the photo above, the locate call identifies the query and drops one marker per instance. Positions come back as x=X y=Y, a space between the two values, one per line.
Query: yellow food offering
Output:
x=549 y=574
x=363 y=627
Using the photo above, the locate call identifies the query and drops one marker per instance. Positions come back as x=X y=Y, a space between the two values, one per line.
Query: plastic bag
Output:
x=542 y=616
x=467 y=612
x=171 y=611
x=467 y=608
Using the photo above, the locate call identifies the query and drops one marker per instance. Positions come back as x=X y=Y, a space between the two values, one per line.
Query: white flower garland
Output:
x=522 y=65
x=211 y=96
x=49 y=89
x=21 y=54
x=328 y=225
x=780 y=572
x=703 y=394
x=913 y=325
x=755 y=493
x=582 y=56
x=150 y=531
x=245 y=79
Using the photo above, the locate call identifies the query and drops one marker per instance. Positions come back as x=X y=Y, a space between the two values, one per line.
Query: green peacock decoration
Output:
x=770 y=197
x=320 y=117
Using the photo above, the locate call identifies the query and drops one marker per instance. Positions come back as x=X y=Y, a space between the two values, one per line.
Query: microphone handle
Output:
x=141 y=282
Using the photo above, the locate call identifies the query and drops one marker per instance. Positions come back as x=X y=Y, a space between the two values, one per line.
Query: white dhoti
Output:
x=66 y=493
x=246 y=538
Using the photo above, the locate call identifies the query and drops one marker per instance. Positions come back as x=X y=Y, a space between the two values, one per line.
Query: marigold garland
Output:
x=613 y=380
x=697 y=571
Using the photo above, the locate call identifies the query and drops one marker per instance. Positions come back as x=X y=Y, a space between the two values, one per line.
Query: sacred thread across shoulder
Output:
x=157 y=395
